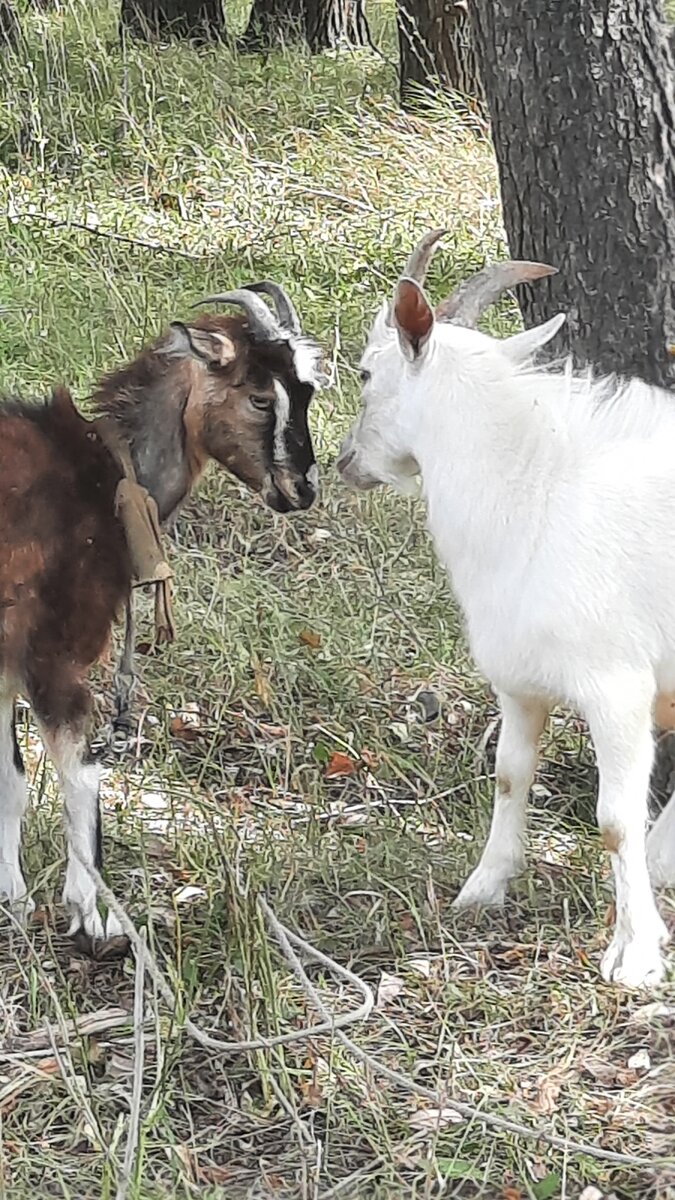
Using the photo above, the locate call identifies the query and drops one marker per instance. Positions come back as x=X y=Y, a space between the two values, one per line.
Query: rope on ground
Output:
x=286 y=941
x=137 y=1086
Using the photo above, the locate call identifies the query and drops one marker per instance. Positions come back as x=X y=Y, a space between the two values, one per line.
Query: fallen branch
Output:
x=110 y=235
x=70 y=1031
x=137 y=1088
x=330 y=1024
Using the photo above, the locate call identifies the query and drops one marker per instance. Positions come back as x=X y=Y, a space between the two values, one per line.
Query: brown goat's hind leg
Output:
x=13 y=803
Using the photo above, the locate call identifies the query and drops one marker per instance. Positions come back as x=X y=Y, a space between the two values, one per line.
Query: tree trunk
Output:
x=583 y=120
x=322 y=24
x=10 y=29
x=330 y=22
x=157 y=20
x=273 y=23
x=436 y=49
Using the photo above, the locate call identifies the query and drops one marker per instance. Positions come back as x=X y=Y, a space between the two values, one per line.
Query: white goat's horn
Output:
x=286 y=310
x=418 y=263
x=262 y=322
x=470 y=300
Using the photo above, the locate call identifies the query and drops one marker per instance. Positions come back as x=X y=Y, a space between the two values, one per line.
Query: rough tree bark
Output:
x=273 y=23
x=583 y=122
x=322 y=24
x=330 y=22
x=10 y=29
x=155 y=20
x=436 y=49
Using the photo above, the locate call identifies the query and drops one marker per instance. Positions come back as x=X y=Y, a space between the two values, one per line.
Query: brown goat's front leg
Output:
x=79 y=777
x=62 y=708
x=13 y=802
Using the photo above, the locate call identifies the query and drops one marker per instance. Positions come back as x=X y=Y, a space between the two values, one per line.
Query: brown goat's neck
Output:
x=151 y=418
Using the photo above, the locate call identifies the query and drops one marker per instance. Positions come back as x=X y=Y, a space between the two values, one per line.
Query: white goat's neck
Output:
x=487 y=455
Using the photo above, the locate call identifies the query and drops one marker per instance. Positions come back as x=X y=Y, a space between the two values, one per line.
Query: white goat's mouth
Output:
x=347 y=466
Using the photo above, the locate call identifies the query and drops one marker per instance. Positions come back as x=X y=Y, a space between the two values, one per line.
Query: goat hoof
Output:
x=482 y=890
x=97 y=940
x=13 y=893
x=633 y=964
x=21 y=908
x=109 y=949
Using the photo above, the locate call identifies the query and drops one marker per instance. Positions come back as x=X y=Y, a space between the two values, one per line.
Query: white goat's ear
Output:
x=413 y=318
x=206 y=345
x=523 y=346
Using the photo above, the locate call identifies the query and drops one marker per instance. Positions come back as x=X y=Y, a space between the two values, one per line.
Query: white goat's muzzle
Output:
x=350 y=472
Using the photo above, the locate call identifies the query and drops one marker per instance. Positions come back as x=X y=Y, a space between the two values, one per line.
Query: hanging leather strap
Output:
x=138 y=513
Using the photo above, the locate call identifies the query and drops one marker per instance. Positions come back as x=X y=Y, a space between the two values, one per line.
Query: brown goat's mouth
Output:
x=294 y=497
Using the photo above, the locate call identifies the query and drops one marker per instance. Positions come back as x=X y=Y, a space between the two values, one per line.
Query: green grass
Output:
x=131 y=190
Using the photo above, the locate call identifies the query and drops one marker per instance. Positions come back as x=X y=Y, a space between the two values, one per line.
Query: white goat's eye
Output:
x=261 y=402
x=364 y=376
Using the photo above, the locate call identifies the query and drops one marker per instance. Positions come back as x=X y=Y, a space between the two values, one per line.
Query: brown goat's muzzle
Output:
x=285 y=492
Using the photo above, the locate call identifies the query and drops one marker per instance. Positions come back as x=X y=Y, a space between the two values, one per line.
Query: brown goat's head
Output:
x=253 y=380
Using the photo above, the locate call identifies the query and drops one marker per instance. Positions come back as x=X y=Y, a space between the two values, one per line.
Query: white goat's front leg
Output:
x=523 y=720
x=80 y=778
x=661 y=847
x=620 y=725
x=13 y=802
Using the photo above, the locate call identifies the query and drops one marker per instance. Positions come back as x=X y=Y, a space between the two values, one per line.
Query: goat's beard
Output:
x=409 y=485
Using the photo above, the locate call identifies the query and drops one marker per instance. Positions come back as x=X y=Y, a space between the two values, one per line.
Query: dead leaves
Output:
x=548 y=1092
x=340 y=764
x=310 y=638
x=389 y=987
x=429 y=1120
x=186 y=724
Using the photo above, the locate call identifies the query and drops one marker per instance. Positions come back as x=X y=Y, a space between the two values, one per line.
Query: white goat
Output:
x=551 y=501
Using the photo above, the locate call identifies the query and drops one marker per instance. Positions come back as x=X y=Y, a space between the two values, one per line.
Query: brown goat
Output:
x=233 y=389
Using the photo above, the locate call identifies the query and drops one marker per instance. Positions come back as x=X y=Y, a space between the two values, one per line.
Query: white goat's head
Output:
x=406 y=338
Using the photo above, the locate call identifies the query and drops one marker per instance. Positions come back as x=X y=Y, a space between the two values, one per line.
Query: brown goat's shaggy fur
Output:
x=64 y=564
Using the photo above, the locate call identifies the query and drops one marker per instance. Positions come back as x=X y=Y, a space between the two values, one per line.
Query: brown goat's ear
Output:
x=206 y=345
x=413 y=317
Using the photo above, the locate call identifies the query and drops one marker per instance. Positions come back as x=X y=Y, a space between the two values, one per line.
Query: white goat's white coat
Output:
x=551 y=501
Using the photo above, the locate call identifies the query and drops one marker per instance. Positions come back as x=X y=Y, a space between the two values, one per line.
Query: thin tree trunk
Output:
x=436 y=49
x=583 y=122
x=330 y=22
x=273 y=23
x=10 y=29
x=157 y=20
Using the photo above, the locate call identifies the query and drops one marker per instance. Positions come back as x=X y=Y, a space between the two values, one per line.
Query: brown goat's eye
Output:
x=263 y=403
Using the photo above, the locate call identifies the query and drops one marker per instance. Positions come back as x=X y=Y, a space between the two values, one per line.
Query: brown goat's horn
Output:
x=471 y=298
x=286 y=310
x=262 y=322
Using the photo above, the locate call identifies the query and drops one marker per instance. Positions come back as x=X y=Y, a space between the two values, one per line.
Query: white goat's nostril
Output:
x=344 y=460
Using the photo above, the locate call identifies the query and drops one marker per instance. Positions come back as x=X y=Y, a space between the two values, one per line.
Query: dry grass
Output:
x=190 y=170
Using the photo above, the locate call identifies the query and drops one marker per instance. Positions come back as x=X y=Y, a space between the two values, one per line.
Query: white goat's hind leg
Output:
x=523 y=720
x=13 y=803
x=621 y=731
x=80 y=779
x=661 y=847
